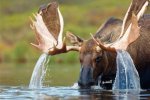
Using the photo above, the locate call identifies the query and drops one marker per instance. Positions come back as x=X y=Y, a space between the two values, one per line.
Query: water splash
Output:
x=39 y=72
x=75 y=86
x=127 y=76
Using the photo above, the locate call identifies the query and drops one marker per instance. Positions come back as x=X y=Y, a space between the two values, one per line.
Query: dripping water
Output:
x=127 y=76
x=39 y=72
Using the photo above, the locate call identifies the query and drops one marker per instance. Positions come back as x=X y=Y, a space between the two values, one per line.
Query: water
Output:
x=39 y=72
x=16 y=74
x=127 y=76
x=67 y=93
x=59 y=88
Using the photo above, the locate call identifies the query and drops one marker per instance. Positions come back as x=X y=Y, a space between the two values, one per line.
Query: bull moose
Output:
x=98 y=54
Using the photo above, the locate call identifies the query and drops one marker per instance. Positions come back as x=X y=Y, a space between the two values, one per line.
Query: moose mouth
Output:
x=106 y=81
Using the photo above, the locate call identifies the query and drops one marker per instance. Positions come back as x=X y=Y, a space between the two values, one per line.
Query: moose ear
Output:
x=73 y=39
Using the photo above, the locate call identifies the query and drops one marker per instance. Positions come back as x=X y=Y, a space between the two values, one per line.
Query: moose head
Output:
x=96 y=57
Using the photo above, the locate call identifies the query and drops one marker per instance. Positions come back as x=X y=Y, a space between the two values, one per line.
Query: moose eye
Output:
x=98 y=59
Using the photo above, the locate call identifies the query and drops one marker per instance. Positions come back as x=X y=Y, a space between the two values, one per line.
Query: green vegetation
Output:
x=80 y=17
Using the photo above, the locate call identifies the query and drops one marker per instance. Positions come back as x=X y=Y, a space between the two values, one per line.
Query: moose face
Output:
x=90 y=58
x=95 y=63
x=96 y=66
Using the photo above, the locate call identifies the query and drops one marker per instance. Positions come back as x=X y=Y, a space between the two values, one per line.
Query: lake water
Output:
x=14 y=81
x=67 y=93
x=13 y=74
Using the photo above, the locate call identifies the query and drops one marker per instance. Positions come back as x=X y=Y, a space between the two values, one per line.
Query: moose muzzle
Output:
x=86 y=77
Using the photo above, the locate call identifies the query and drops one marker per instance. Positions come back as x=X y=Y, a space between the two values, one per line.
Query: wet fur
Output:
x=139 y=50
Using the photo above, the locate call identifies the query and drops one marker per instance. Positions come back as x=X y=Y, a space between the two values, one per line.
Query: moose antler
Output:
x=137 y=7
x=130 y=29
x=48 y=27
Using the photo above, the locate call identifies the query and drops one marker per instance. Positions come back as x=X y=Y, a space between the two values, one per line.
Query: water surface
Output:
x=67 y=93
x=58 y=74
x=14 y=81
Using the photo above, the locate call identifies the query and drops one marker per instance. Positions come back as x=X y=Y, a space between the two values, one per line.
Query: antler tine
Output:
x=104 y=47
x=31 y=25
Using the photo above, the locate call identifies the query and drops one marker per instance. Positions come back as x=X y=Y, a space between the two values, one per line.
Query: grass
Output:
x=80 y=17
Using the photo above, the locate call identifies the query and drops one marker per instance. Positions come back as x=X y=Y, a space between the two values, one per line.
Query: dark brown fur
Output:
x=106 y=66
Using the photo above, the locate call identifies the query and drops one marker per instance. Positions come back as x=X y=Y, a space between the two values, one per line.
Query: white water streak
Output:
x=127 y=76
x=39 y=72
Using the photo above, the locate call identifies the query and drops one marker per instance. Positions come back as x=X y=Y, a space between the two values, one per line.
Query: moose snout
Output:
x=86 y=80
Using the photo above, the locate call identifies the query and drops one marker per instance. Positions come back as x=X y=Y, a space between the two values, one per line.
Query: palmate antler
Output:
x=48 y=27
x=130 y=29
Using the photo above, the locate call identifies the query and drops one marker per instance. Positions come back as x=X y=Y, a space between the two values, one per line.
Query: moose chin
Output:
x=98 y=54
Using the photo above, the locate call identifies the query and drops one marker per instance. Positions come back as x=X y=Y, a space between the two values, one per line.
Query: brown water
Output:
x=14 y=81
